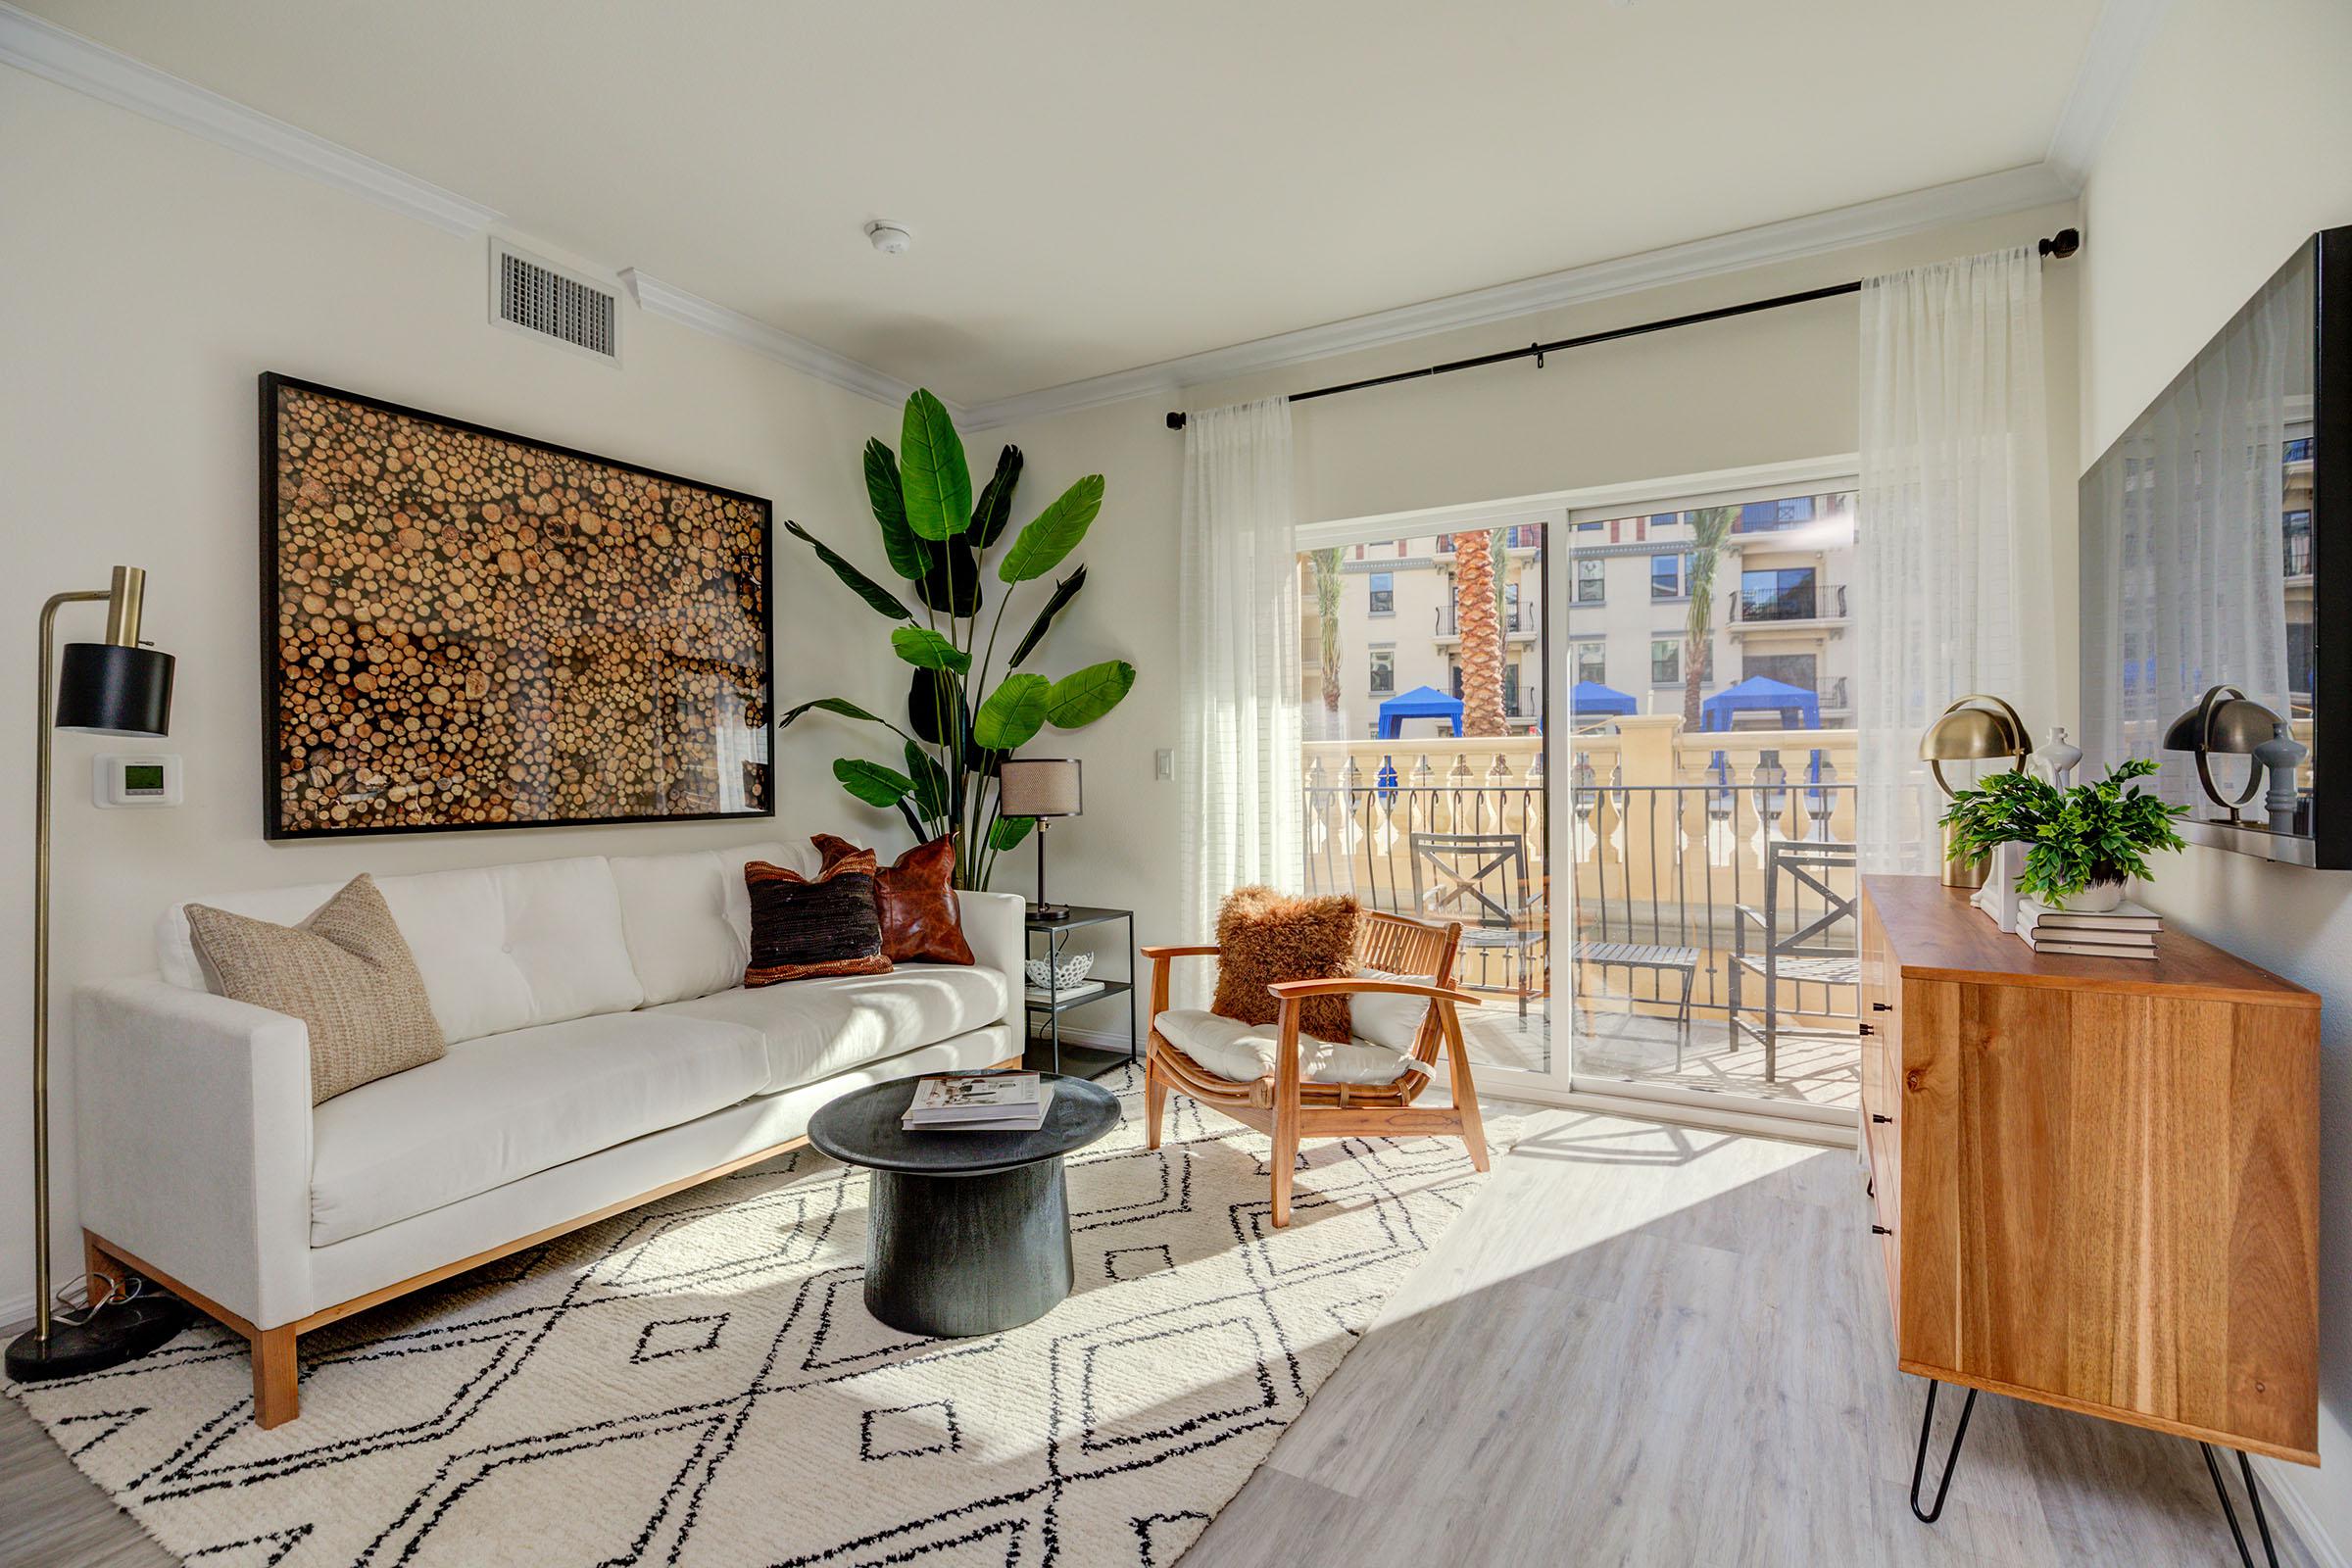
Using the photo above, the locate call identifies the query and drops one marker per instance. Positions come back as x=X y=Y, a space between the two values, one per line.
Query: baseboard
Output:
x=16 y=1314
x=2284 y=1484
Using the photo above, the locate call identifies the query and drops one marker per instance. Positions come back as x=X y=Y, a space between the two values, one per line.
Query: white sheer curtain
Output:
x=1236 y=758
x=2184 y=561
x=1954 y=540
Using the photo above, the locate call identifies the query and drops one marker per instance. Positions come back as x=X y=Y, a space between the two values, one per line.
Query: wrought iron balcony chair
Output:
x=1806 y=953
x=1482 y=880
x=1287 y=1105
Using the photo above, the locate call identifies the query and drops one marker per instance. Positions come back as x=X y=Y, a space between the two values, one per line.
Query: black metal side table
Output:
x=1047 y=1052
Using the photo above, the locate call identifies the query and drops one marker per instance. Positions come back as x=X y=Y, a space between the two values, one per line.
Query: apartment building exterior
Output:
x=1780 y=608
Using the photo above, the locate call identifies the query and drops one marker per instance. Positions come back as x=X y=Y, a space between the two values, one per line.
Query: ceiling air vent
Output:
x=531 y=296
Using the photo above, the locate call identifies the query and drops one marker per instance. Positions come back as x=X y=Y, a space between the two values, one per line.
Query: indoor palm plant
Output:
x=959 y=727
x=2081 y=843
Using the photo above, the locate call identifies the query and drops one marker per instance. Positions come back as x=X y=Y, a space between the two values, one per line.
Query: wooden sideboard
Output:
x=2096 y=1180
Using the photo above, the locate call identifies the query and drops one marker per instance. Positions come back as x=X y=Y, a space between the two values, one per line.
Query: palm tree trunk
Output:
x=1475 y=596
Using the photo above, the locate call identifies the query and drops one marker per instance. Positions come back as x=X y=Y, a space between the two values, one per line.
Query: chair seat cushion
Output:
x=1244 y=1052
x=501 y=1108
x=815 y=1028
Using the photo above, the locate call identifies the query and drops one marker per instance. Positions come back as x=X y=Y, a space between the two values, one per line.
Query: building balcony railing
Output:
x=1815 y=603
x=1656 y=840
x=1447 y=628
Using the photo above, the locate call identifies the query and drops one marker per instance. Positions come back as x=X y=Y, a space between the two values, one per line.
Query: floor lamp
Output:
x=114 y=687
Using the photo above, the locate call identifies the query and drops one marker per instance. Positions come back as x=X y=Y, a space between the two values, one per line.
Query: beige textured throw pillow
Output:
x=346 y=971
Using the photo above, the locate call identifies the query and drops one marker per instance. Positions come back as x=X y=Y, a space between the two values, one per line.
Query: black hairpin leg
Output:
x=2261 y=1526
x=1919 y=1464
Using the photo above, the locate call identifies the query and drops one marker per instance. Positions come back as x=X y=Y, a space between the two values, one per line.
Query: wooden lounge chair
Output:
x=1292 y=1097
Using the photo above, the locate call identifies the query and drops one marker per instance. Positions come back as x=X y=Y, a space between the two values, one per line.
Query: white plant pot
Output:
x=2099 y=898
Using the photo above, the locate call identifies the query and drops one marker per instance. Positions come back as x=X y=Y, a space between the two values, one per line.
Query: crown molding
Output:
x=1986 y=196
x=657 y=298
x=33 y=44
x=2111 y=57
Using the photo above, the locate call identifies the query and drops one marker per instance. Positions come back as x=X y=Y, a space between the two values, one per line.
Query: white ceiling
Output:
x=1095 y=186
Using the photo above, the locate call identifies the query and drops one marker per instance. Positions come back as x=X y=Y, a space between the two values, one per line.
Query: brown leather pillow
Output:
x=916 y=898
x=803 y=928
x=1264 y=936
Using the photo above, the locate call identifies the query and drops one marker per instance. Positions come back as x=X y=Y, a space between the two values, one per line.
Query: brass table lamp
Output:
x=1973 y=729
x=114 y=687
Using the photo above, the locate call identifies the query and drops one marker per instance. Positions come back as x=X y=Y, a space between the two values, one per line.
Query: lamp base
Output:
x=1049 y=911
x=115 y=1333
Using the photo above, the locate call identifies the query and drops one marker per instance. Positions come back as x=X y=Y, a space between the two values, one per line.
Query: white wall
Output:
x=2230 y=148
x=149 y=278
x=1755 y=389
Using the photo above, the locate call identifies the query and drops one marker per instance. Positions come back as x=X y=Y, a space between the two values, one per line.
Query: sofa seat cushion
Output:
x=815 y=1028
x=499 y=1109
x=1245 y=1052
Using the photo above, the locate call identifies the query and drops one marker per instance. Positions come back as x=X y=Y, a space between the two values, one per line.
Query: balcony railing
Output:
x=1664 y=863
x=1813 y=601
x=1446 y=623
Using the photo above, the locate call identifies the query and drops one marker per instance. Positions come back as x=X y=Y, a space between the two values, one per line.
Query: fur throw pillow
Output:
x=1264 y=936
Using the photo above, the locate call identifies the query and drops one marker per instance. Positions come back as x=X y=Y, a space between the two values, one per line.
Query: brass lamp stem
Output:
x=122 y=613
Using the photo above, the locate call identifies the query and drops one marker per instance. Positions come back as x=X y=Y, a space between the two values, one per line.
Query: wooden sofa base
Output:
x=276 y=1371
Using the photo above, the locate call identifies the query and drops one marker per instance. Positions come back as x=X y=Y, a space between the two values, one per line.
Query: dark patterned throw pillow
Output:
x=803 y=927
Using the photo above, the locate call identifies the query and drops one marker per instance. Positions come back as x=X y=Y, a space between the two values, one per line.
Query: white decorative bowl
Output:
x=1045 y=974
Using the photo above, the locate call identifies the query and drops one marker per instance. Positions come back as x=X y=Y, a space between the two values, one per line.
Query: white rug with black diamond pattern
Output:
x=697 y=1382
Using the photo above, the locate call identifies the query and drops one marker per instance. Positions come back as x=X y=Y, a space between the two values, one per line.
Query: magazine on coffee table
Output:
x=1008 y=1101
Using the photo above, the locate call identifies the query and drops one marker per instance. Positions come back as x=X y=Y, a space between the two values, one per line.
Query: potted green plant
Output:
x=2082 y=843
x=936 y=535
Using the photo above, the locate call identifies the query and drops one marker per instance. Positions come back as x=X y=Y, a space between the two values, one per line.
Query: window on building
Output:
x=1592 y=662
x=1510 y=690
x=1785 y=594
x=1383 y=678
x=1592 y=586
x=1384 y=593
x=1666 y=577
x=1510 y=607
x=1801 y=670
x=1666 y=661
x=1454 y=668
x=2297 y=529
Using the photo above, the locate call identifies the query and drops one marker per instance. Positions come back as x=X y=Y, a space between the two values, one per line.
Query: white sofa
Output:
x=602 y=1050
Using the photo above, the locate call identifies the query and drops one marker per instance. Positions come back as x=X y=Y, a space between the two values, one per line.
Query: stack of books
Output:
x=2127 y=931
x=979 y=1103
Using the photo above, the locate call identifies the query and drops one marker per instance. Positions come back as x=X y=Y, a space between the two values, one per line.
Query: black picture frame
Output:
x=272 y=385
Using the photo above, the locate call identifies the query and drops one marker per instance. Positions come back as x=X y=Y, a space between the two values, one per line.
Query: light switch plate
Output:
x=1163 y=764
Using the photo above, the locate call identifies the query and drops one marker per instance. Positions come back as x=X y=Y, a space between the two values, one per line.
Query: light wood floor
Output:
x=1815 y=1069
x=1640 y=1346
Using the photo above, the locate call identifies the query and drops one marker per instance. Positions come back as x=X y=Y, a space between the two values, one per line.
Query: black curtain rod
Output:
x=2061 y=245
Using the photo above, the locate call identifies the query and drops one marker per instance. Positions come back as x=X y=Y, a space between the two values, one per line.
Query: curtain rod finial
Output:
x=1175 y=421
x=2062 y=244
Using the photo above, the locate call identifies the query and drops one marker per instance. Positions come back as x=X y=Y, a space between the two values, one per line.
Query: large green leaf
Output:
x=933 y=793
x=1010 y=831
x=950 y=578
x=1012 y=714
x=834 y=704
x=899 y=543
x=1054 y=533
x=994 y=509
x=1081 y=699
x=937 y=698
x=872 y=782
x=1063 y=592
x=873 y=593
x=926 y=649
x=932 y=477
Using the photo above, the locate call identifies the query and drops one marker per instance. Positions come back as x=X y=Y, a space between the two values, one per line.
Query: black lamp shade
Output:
x=107 y=689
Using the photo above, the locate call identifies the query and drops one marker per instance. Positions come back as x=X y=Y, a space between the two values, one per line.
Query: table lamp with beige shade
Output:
x=1045 y=788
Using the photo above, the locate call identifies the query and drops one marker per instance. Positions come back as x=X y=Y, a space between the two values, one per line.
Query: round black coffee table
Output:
x=966 y=1233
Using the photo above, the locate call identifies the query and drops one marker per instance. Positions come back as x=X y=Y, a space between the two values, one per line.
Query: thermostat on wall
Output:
x=125 y=778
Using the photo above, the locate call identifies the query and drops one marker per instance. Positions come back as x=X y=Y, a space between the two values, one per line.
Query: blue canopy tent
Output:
x=1798 y=708
x=1590 y=697
x=1422 y=701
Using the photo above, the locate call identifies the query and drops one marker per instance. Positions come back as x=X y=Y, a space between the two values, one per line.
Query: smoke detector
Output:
x=890 y=239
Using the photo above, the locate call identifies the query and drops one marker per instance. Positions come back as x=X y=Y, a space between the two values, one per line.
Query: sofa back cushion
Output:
x=500 y=948
x=688 y=917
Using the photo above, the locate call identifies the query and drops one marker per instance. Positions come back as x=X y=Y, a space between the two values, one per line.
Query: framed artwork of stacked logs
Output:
x=466 y=628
